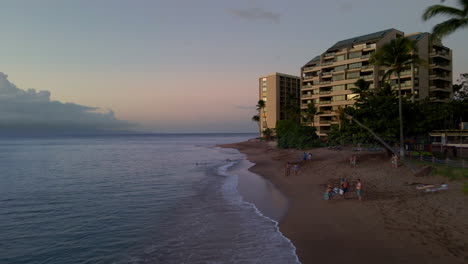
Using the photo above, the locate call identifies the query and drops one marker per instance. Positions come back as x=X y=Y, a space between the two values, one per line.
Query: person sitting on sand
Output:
x=328 y=192
x=287 y=169
x=359 y=189
x=344 y=187
x=309 y=157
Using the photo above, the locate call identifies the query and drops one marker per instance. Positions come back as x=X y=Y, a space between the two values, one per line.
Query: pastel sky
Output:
x=185 y=65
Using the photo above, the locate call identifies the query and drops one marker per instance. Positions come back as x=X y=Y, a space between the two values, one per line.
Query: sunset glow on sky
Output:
x=185 y=66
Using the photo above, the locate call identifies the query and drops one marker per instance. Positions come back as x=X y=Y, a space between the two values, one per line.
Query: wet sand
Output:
x=393 y=224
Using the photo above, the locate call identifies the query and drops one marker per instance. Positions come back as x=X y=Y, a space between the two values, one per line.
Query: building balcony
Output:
x=443 y=77
x=367 y=77
x=440 y=89
x=330 y=54
x=325 y=122
x=367 y=56
x=367 y=68
x=308 y=77
x=327 y=63
x=310 y=68
x=325 y=92
x=325 y=102
x=370 y=46
x=325 y=82
x=441 y=54
x=327 y=73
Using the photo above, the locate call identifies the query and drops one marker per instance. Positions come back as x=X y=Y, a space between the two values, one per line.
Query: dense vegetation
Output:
x=378 y=109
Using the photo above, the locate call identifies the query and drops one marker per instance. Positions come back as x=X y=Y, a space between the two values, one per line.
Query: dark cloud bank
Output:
x=31 y=111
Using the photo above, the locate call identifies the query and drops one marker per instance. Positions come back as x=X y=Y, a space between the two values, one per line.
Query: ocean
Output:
x=136 y=199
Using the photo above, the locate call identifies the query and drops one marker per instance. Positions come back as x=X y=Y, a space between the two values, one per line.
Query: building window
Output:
x=355 y=65
x=340 y=57
x=339 y=98
x=338 y=77
x=338 y=87
x=352 y=75
x=354 y=55
x=340 y=68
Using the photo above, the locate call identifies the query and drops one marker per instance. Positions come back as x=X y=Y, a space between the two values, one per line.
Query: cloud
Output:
x=255 y=13
x=33 y=110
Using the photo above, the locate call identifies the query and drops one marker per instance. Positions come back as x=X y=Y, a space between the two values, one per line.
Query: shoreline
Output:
x=334 y=231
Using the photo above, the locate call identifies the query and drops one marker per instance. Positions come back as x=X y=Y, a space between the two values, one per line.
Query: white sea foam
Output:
x=232 y=195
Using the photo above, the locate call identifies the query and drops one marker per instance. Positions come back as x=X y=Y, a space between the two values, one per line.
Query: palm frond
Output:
x=449 y=26
x=436 y=10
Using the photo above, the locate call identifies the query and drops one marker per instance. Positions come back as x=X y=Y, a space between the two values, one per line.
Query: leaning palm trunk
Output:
x=402 y=157
x=400 y=113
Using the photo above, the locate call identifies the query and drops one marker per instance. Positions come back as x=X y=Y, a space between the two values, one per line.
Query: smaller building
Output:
x=279 y=91
x=451 y=142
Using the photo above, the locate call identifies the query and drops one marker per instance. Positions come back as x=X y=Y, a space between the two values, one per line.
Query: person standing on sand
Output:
x=304 y=156
x=359 y=189
x=296 y=169
x=287 y=169
x=310 y=156
x=344 y=187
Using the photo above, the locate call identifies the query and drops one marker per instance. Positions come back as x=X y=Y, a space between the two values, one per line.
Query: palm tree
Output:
x=458 y=20
x=261 y=111
x=310 y=113
x=396 y=56
x=256 y=118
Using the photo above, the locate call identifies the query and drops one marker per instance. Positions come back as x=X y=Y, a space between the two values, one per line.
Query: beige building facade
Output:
x=277 y=90
x=327 y=79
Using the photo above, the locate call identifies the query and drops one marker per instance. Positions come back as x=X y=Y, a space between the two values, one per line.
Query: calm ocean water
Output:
x=130 y=199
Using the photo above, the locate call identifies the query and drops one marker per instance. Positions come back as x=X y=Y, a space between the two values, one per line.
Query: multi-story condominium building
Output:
x=327 y=79
x=278 y=91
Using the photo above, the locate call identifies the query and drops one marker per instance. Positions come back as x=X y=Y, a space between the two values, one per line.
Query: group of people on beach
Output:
x=295 y=166
x=288 y=166
x=332 y=191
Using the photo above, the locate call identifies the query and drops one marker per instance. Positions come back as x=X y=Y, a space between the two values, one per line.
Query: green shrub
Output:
x=293 y=135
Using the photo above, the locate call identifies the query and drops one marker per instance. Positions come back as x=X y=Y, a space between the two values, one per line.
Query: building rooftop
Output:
x=352 y=41
x=416 y=36
x=361 y=39
x=281 y=74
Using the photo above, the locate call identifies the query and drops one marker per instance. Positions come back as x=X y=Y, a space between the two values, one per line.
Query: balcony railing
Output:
x=366 y=77
x=308 y=77
x=365 y=67
x=325 y=102
x=325 y=121
x=325 y=82
x=329 y=54
x=309 y=68
x=325 y=92
x=327 y=73
x=327 y=63
x=365 y=56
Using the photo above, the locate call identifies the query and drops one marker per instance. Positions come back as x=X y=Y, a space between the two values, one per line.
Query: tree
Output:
x=460 y=90
x=310 y=113
x=397 y=55
x=256 y=118
x=458 y=20
x=261 y=111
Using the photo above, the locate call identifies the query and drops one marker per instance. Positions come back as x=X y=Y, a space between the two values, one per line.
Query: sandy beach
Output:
x=395 y=223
